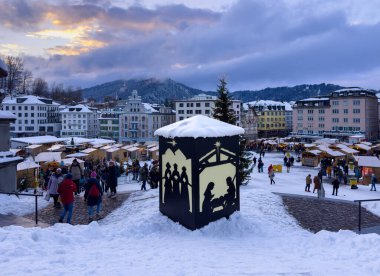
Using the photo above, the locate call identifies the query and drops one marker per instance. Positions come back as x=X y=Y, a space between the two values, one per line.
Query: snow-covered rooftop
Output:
x=89 y=150
x=199 y=126
x=149 y=108
x=28 y=99
x=314 y=99
x=77 y=108
x=26 y=165
x=48 y=157
x=266 y=103
x=38 y=139
x=7 y=115
x=368 y=161
x=8 y=156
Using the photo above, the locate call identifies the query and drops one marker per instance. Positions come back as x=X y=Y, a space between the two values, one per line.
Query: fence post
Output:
x=360 y=216
x=36 y=210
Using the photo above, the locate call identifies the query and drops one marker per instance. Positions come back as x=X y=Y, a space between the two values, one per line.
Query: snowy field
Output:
x=262 y=239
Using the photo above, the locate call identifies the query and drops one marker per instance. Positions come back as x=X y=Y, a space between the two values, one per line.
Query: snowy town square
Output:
x=189 y=137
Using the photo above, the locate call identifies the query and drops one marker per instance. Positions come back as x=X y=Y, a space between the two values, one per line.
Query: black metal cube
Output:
x=199 y=179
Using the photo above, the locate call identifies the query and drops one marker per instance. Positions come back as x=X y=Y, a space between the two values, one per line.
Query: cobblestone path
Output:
x=325 y=214
x=50 y=215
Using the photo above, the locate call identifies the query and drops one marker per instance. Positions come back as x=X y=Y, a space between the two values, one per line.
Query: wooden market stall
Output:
x=117 y=154
x=27 y=170
x=326 y=152
x=368 y=165
x=364 y=149
x=94 y=154
x=310 y=158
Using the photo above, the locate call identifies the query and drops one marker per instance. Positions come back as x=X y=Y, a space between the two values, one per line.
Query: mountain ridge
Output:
x=161 y=91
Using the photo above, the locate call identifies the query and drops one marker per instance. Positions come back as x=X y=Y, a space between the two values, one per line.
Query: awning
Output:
x=33 y=146
x=77 y=154
x=131 y=149
x=26 y=165
x=48 y=157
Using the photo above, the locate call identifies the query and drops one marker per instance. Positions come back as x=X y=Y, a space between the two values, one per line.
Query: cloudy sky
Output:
x=253 y=43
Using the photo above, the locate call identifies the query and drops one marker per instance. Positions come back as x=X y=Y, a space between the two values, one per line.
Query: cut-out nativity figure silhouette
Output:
x=175 y=182
x=168 y=183
x=184 y=180
x=207 y=206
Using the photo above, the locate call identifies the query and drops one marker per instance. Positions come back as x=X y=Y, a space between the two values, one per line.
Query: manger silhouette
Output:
x=199 y=170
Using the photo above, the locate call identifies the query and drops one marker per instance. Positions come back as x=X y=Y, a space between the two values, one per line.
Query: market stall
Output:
x=310 y=158
x=27 y=173
x=368 y=165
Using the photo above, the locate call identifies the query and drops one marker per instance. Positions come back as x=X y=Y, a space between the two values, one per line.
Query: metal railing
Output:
x=360 y=210
x=36 y=195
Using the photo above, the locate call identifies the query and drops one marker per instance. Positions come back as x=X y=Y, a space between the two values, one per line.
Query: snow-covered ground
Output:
x=261 y=239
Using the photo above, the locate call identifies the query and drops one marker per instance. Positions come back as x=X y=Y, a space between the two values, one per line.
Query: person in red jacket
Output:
x=66 y=190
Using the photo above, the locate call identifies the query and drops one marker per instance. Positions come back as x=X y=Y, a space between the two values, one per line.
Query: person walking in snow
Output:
x=373 y=182
x=144 y=176
x=271 y=174
x=335 y=184
x=112 y=180
x=288 y=166
x=254 y=161
x=77 y=173
x=93 y=195
x=66 y=190
x=55 y=180
x=317 y=183
x=308 y=183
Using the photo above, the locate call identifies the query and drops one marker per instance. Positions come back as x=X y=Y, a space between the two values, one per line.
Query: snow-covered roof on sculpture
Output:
x=7 y=115
x=46 y=139
x=199 y=126
x=29 y=99
x=77 y=108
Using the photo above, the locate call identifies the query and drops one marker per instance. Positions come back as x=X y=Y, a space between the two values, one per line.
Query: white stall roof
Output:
x=99 y=141
x=199 y=126
x=329 y=151
x=77 y=154
x=153 y=148
x=132 y=149
x=368 y=161
x=26 y=165
x=55 y=147
x=7 y=115
x=48 y=157
x=113 y=149
x=89 y=150
x=69 y=161
x=46 y=139
x=363 y=146
x=33 y=146
x=106 y=147
x=315 y=152
x=346 y=149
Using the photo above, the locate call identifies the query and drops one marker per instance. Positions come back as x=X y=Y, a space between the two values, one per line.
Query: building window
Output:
x=356 y=110
x=180 y=118
x=180 y=104
x=310 y=111
x=345 y=120
x=198 y=104
x=207 y=111
x=335 y=111
x=32 y=108
x=356 y=102
x=300 y=111
x=19 y=108
x=345 y=111
x=356 y=120
x=25 y=108
x=335 y=120
x=198 y=111
x=335 y=102
x=207 y=104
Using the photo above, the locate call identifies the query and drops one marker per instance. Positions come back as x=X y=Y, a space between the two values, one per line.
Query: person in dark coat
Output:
x=335 y=184
x=66 y=191
x=317 y=183
x=112 y=178
x=144 y=176
x=93 y=196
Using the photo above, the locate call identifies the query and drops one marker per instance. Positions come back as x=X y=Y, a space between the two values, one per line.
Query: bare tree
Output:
x=26 y=81
x=40 y=88
x=15 y=66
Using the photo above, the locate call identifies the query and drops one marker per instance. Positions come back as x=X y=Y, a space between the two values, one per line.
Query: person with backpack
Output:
x=373 y=182
x=66 y=191
x=144 y=176
x=54 y=181
x=93 y=195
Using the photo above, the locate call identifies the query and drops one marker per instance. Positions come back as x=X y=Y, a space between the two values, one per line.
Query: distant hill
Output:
x=285 y=93
x=157 y=91
x=151 y=90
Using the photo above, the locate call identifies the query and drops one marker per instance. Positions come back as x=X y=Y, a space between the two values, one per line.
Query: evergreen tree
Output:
x=223 y=105
x=222 y=112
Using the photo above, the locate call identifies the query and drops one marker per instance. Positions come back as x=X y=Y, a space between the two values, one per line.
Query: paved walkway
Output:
x=50 y=215
x=316 y=214
x=8 y=220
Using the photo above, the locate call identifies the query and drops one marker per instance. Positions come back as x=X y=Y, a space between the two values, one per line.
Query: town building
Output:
x=109 y=123
x=249 y=120
x=289 y=116
x=80 y=121
x=35 y=115
x=343 y=113
x=271 y=122
x=140 y=120
x=202 y=104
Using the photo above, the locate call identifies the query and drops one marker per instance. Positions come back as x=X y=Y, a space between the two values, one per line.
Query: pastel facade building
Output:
x=139 y=120
x=271 y=122
x=35 y=116
x=341 y=114
x=80 y=121
x=202 y=104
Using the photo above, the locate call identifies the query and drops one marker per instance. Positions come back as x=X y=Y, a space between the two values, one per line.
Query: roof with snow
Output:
x=266 y=103
x=26 y=165
x=6 y=115
x=77 y=108
x=149 y=108
x=199 y=126
x=368 y=161
x=314 y=99
x=8 y=157
x=38 y=139
x=29 y=99
x=48 y=157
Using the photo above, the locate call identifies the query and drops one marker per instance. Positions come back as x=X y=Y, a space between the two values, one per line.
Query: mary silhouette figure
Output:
x=168 y=183
x=175 y=182
x=231 y=191
x=184 y=180
x=206 y=206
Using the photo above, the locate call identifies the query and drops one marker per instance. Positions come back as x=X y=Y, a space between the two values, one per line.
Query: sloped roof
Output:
x=28 y=99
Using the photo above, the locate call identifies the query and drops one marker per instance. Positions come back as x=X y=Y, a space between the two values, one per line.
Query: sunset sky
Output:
x=253 y=43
